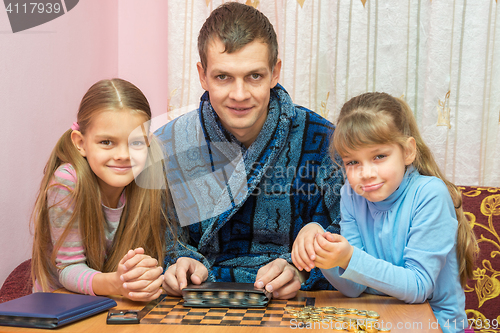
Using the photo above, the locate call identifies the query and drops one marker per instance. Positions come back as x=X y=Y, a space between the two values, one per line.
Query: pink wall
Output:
x=44 y=72
x=142 y=49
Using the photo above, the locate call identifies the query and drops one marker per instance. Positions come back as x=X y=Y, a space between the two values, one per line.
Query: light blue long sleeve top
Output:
x=405 y=247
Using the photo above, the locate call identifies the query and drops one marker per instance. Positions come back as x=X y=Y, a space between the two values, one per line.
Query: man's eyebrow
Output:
x=220 y=71
x=260 y=69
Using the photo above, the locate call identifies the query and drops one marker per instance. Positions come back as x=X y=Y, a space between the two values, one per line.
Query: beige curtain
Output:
x=442 y=57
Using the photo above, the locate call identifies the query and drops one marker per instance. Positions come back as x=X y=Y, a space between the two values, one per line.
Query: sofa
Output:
x=482 y=208
x=18 y=283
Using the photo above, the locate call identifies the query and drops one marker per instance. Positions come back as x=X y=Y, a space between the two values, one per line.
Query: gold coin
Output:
x=351 y=310
x=373 y=316
x=362 y=313
x=192 y=294
x=208 y=294
x=254 y=296
x=371 y=330
x=352 y=325
x=239 y=295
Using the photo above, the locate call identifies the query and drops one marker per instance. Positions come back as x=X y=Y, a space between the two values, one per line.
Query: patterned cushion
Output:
x=482 y=208
x=18 y=283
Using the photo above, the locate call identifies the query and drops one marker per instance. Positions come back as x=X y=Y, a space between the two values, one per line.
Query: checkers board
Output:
x=170 y=310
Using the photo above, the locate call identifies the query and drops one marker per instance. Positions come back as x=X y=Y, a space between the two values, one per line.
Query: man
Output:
x=288 y=176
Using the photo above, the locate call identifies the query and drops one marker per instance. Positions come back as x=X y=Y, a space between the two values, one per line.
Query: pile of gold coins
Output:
x=352 y=320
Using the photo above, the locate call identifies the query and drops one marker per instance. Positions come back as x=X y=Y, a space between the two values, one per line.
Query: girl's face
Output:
x=115 y=147
x=376 y=171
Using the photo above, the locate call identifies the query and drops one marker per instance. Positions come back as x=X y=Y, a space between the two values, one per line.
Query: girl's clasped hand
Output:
x=140 y=276
x=315 y=248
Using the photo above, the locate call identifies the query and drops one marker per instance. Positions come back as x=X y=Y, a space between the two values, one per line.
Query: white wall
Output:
x=44 y=72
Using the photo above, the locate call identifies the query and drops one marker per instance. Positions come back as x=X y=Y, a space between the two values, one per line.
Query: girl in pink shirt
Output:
x=99 y=219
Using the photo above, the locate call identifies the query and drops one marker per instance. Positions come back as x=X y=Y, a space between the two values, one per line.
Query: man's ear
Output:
x=78 y=140
x=276 y=73
x=410 y=150
x=202 y=75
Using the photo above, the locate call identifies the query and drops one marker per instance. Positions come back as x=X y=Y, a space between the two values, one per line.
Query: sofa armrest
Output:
x=481 y=206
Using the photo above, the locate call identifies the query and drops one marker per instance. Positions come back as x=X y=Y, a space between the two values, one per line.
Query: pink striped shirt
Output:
x=72 y=271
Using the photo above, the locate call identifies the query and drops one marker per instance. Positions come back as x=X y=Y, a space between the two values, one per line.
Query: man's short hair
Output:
x=237 y=25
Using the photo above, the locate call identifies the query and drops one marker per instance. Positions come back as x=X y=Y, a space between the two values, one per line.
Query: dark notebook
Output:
x=50 y=310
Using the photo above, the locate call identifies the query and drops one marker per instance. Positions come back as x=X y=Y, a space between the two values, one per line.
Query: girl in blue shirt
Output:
x=403 y=231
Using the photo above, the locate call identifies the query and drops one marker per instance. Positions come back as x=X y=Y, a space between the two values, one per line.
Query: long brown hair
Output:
x=143 y=222
x=379 y=118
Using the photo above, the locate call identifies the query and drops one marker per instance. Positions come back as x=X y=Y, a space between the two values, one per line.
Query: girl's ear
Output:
x=78 y=140
x=410 y=150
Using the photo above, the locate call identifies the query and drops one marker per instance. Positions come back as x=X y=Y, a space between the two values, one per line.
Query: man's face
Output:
x=239 y=85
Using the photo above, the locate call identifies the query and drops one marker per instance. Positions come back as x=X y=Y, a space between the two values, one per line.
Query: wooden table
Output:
x=400 y=316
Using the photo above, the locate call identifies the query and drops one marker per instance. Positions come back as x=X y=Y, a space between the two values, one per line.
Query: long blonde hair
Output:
x=379 y=118
x=143 y=222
